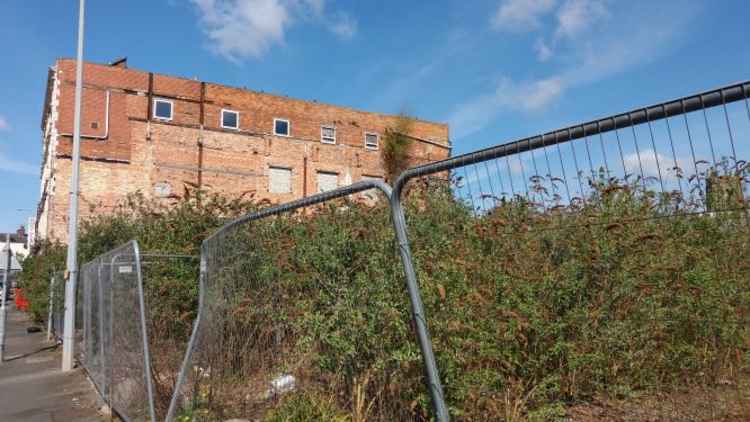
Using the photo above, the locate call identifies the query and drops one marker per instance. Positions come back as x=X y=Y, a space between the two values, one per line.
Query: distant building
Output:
x=18 y=242
x=18 y=250
x=15 y=265
x=158 y=134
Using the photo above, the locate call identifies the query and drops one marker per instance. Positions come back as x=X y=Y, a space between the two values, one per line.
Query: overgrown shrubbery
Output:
x=533 y=309
x=38 y=268
x=528 y=310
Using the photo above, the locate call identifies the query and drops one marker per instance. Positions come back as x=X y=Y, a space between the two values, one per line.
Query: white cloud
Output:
x=344 y=26
x=526 y=96
x=636 y=37
x=243 y=28
x=543 y=50
x=535 y=95
x=4 y=125
x=240 y=29
x=576 y=16
x=14 y=166
x=652 y=164
x=521 y=15
x=572 y=19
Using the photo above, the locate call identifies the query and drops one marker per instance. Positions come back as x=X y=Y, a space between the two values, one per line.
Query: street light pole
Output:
x=72 y=262
x=4 y=298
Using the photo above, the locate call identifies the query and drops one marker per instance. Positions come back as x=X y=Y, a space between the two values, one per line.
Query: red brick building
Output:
x=156 y=134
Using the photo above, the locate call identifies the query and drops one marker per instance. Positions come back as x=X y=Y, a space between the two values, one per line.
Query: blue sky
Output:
x=494 y=69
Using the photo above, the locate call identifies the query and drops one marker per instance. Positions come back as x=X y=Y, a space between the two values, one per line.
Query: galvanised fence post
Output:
x=433 y=382
x=144 y=331
x=102 y=355
x=432 y=375
x=193 y=337
x=50 y=311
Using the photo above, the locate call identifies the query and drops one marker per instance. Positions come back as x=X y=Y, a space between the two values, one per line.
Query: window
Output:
x=328 y=134
x=371 y=140
x=230 y=119
x=281 y=127
x=327 y=181
x=162 y=109
x=279 y=180
x=162 y=189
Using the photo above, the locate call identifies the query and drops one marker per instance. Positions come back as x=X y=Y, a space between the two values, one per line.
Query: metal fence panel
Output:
x=477 y=223
x=261 y=330
x=170 y=291
x=92 y=354
x=58 y=305
x=114 y=341
x=254 y=346
x=130 y=392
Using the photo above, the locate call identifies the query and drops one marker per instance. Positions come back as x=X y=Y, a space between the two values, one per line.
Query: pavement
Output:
x=33 y=388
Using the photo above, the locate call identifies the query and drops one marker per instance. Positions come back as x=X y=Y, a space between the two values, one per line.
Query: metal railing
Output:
x=248 y=347
x=684 y=158
x=114 y=344
x=696 y=138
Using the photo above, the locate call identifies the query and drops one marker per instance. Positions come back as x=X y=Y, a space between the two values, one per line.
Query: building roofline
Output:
x=285 y=97
x=47 y=96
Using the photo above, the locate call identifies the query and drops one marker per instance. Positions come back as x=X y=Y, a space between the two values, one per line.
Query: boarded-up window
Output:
x=327 y=181
x=279 y=180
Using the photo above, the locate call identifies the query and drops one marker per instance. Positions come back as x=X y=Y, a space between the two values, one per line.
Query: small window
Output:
x=162 y=189
x=371 y=140
x=230 y=119
x=281 y=127
x=279 y=180
x=328 y=134
x=162 y=109
x=327 y=181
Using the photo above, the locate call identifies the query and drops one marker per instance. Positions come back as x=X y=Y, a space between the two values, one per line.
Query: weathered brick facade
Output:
x=125 y=149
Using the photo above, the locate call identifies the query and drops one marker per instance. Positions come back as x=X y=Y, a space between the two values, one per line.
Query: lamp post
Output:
x=4 y=297
x=72 y=259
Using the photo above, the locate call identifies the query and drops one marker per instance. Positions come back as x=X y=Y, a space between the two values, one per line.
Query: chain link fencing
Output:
x=564 y=256
x=171 y=290
x=547 y=266
x=284 y=293
x=56 y=323
x=114 y=345
x=113 y=318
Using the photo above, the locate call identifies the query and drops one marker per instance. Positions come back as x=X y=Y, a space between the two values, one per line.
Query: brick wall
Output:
x=125 y=150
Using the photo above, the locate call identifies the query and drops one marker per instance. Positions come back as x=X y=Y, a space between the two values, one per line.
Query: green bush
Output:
x=38 y=268
x=529 y=309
